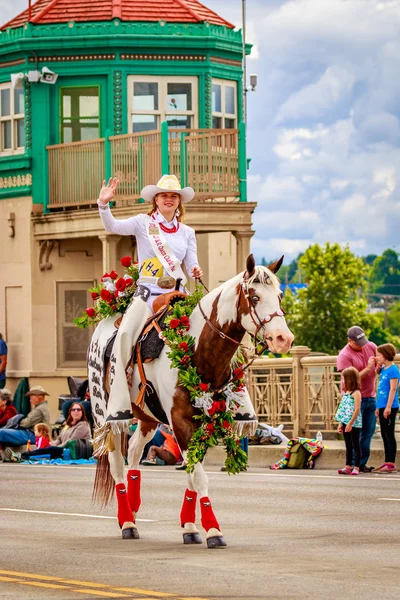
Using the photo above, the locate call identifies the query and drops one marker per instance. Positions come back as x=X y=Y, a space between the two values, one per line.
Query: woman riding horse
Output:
x=163 y=243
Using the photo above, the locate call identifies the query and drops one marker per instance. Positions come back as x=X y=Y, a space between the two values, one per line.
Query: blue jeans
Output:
x=368 y=408
x=16 y=437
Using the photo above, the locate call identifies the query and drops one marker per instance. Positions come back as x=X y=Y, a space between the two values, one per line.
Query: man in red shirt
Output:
x=360 y=354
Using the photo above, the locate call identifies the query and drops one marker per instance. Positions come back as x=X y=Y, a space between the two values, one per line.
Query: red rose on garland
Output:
x=114 y=307
x=94 y=295
x=105 y=276
x=238 y=373
x=106 y=295
x=185 y=359
x=90 y=312
x=128 y=281
x=120 y=284
x=174 y=323
x=184 y=346
x=185 y=321
x=214 y=408
x=226 y=424
x=203 y=387
x=210 y=428
x=126 y=261
x=113 y=274
x=222 y=405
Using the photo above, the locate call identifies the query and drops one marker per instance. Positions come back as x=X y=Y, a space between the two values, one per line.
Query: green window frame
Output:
x=75 y=125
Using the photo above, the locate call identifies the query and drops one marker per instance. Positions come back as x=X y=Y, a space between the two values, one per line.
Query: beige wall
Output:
x=15 y=282
x=217 y=257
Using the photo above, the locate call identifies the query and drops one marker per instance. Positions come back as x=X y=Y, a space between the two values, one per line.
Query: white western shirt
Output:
x=182 y=242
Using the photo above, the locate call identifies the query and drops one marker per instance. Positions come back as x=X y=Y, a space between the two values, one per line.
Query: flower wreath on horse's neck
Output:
x=215 y=417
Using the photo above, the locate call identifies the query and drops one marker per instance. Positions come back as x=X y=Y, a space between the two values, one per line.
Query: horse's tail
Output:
x=103 y=487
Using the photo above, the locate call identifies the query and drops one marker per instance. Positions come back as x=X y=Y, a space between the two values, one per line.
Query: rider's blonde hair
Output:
x=180 y=208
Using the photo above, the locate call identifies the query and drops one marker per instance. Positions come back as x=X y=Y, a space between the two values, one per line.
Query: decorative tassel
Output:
x=188 y=510
x=103 y=441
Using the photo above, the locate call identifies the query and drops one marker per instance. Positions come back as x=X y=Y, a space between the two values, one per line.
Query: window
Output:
x=224 y=104
x=72 y=343
x=12 y=122
x=156 y=99
x=80 y=114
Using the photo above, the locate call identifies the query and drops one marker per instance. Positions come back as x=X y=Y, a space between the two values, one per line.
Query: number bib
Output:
x=151 y=267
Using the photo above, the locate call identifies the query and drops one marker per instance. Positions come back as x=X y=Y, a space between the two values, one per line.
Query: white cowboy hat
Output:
x=167 y=183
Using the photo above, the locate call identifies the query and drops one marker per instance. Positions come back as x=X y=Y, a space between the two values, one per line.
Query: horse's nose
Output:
x=283 y=341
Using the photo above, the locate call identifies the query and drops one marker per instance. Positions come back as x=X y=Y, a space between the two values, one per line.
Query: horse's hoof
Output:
x=217 y=541
x=192 y=538
x=130 y=533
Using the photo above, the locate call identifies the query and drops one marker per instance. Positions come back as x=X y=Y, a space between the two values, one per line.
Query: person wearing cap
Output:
x=39 y=414
x=164 y=242
x=360 y=354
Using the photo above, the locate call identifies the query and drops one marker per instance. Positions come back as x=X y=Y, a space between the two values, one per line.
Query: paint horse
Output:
x=249 y=302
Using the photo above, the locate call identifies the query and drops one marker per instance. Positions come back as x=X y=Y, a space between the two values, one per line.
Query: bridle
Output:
x=259 y=347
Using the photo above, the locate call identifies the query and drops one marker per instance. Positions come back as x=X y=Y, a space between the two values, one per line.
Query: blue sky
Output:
x=323 y=125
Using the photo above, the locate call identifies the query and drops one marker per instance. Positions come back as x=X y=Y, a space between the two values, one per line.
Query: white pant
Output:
x=128 y=333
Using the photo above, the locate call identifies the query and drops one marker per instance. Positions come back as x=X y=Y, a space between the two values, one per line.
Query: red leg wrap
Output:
x=188 y=510
x=134 y=481
x=208 y=519
x=124 y=510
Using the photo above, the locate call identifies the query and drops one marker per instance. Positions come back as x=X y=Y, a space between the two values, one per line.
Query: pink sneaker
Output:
x=344 y=471
x=355 y=471
x=387 y=468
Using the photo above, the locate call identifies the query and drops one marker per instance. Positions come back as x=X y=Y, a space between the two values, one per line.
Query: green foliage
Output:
x=321 y=314
x=385 y=273
x=379 y=334
x=394 y=318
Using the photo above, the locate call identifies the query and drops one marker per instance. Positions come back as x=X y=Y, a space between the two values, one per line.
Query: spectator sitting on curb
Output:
x=77 y=428
x=7 y=410
x=24 y=430
x=168 y=453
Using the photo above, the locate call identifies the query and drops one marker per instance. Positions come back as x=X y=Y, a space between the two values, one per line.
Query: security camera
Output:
x=253 y=81
x=48 y=76
x=17 y=80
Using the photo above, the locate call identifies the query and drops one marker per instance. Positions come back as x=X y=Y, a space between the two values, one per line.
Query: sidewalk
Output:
x=333 y=456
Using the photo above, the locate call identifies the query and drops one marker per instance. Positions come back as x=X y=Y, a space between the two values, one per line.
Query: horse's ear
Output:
x=274 y=267
x=250 y=265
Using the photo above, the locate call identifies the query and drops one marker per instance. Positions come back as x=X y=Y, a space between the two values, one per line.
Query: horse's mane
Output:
x=260 y=275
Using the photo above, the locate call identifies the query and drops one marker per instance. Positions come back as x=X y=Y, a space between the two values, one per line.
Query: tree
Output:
x=385 y=273
x=321 y=314
x=381 y=335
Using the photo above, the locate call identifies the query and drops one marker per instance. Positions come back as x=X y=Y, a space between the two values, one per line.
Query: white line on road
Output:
x=390 y=499
x=46 y=512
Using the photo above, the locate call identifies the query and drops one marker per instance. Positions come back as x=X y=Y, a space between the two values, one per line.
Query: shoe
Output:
x=11 y=456
x=223 y=469
x=181 y=467
x=149 y=463
x=377 y=470
x=344 y=471
x=386 y=468
x=355 y=471
x=365 y=469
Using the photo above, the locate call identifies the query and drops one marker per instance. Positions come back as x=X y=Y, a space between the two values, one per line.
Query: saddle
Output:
x=149 y=347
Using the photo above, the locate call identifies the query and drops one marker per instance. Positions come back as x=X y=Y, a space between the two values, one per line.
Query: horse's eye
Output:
x=255 y=299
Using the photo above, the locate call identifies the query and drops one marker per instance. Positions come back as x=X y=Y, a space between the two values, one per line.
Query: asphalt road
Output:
x=290 y=535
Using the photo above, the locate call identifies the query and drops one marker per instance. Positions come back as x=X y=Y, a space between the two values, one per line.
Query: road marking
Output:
x=69 y=584
x=390 y=499
x=47 y=512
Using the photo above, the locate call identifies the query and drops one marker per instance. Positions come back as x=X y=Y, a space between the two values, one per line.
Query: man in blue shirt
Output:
x=3 y=362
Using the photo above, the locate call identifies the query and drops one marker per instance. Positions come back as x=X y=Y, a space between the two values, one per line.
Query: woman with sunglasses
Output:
x=77 y=428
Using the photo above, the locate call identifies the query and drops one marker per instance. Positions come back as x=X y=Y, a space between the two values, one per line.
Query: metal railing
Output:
x=301 y=392
x=212 y=161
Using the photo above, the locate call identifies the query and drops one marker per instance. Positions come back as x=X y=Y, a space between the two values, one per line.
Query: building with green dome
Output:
x=130 y=88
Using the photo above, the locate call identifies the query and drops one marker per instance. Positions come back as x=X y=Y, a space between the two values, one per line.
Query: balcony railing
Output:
x=212 y=161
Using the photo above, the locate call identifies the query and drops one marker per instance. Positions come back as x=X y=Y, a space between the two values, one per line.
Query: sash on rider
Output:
x=163 y=252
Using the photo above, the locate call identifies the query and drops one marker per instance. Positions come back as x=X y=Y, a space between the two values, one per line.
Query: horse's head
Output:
x=259 y=306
